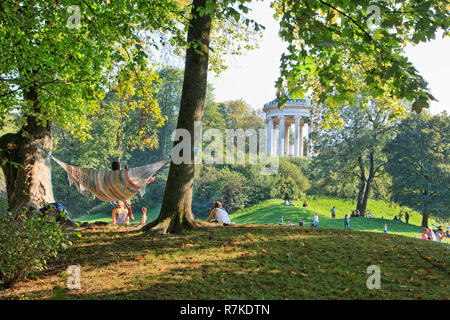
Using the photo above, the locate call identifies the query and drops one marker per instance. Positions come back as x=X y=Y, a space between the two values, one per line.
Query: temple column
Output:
x=286 y=139
x=310 y=146
x=301 y=138
x=296 y=130
x=281 y=137
x=269 y=135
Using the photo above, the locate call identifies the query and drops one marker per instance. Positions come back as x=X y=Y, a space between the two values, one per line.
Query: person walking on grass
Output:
x=385 y=228
x=406 y=217
x=346 y=222
x=333 y=213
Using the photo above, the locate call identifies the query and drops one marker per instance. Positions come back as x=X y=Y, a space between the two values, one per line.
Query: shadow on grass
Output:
x=244 y=262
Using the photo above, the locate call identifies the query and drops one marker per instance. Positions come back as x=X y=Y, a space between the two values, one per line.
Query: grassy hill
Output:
x=242 y=262
x=269 y=212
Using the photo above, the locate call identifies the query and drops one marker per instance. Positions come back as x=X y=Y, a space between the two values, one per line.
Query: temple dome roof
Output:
x=289 y=103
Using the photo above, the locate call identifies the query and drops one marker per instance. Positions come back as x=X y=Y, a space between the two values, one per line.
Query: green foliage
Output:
x=419 y=166
x=334 y=52
x=70 y=68
x=229 y=187
x=27 y=241
x=343 y=166
x=240 y=186
x=292 y=174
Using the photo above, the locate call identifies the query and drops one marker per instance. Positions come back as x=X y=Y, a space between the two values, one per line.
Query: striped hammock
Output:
x=118 y=185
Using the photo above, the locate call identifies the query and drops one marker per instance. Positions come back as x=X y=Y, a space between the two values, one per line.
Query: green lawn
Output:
x=269 y=212
x=242 y=262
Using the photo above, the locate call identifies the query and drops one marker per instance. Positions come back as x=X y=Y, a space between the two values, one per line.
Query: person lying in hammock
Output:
x=115 y=165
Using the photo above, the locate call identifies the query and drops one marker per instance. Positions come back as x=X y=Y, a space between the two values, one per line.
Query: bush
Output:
x=27 y=241
x=230 y=187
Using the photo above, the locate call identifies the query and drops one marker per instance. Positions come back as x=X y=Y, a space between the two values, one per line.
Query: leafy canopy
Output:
x=418 y=163
x=71 y=52
x=337 y=48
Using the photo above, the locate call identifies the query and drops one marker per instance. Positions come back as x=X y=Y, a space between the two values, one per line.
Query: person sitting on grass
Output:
x=305 y=204
x=120 y=214
x=395 y=218
x=220 y=213
x=431 y=235
x=287 y=202
x=425 y=234
x=439 y=235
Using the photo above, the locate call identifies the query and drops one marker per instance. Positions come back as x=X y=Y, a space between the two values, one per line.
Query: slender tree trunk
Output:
x=176 y=214
x=368 y=184
x=25 y=164
x=68 y=192
x=362 y=184
x=164 y=147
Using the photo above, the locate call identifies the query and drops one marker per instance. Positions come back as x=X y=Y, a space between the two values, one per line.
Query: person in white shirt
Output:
x=431 y=235
x=220 y=213
x=315 y=221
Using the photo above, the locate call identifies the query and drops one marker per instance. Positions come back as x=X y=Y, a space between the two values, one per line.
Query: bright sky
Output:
x=252 y=77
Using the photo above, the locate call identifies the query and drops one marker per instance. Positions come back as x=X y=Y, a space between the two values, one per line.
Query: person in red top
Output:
x=425 y=234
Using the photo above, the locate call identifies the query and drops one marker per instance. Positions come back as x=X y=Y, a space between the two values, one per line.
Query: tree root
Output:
x=440 y=267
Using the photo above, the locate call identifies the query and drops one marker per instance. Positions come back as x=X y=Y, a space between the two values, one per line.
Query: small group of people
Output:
x=289 y=223
x=355 y=214
x=122 y=214
x=400 y=217
x=287 y=202
x=436 y=235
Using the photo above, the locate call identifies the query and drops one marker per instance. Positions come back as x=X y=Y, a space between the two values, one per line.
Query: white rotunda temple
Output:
x=279 y=123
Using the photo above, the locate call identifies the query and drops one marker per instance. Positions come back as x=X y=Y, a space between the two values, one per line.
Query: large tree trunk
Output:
x=425 y=220
x=25 y=164
x=176 y=214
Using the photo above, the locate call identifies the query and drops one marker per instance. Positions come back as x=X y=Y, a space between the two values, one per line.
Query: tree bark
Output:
x=362 y=184
x=425 y=220
x=176 y=212
x=368 y=184
x=25 y=164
